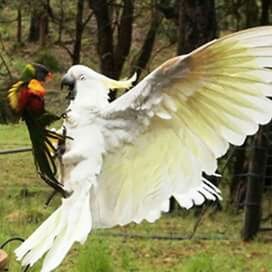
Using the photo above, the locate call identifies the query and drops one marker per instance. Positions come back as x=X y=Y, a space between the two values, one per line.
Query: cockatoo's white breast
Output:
x=83 y=156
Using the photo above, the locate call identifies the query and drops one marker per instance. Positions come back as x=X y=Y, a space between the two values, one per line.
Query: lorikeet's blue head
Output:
x=35 y=71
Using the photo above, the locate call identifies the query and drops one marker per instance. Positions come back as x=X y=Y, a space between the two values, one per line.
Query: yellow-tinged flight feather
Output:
x=13 y=98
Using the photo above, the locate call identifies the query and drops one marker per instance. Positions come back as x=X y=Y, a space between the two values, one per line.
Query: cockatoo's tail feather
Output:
x=70 y=223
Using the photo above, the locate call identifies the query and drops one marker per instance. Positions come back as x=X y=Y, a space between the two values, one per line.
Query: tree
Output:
x=113 y=54
x=39 y=22
x=78 y=32
x=34 y=27
x=252 y=13
x=265 y=6
x=19 y=25
x=196 y=24
x=255 y=185
x=148 y=44
x=112 y=58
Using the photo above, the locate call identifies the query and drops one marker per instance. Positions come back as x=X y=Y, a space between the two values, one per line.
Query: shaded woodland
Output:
x=120 y=37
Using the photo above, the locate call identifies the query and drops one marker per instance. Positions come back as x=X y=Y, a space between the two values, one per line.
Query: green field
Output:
x=216 y=245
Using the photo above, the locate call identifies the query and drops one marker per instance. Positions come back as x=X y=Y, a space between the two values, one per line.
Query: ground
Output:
x=216 y=246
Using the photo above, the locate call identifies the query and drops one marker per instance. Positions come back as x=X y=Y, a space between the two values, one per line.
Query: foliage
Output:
x=46 y=58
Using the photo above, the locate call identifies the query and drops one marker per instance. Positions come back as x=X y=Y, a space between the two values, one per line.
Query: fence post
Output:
x=3 y=260
x=255 y=185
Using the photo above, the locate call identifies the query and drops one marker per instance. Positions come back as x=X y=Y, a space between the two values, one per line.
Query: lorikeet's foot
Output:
x=47 y=119
x=64 y=115
x=56 y=185
x=51 y=196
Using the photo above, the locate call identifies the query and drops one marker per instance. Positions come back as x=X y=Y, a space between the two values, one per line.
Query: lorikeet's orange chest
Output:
x=32 y=98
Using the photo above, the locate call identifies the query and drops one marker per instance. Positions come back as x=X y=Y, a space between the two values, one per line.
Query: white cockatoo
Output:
x=128 y=157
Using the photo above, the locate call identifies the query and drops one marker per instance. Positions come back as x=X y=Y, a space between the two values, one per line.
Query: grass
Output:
x=22 y=209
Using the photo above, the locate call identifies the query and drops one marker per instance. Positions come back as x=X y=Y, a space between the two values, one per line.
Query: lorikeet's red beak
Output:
x=49 y=76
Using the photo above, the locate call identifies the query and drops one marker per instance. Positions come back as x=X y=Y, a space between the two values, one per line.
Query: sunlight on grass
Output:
x=200 y=263
x=95 y=257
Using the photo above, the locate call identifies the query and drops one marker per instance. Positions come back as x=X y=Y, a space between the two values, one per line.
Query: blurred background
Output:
x=118 y=38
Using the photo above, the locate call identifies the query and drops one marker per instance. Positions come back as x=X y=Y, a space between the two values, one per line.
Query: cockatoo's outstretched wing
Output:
x=174 y=124
x=128 y=157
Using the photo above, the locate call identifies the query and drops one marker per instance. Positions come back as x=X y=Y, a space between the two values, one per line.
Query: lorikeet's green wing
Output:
x=13 y=95
x=16 y=88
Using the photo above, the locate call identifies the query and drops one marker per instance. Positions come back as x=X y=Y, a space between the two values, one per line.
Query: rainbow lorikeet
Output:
x=26 y=98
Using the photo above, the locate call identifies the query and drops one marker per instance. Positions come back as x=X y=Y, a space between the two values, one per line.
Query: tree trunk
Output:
x=112 y=60
x=34 y=29
x=252 y=13
x=19 y=25
x=238 y=185
x=105 y=36
x=124 y=37
x=265 y=4
x=196 y=24
x=79 y=30
x=168 y=9
x=61 y=21
x=253 y=209
x=44 y=29
x=146 y=50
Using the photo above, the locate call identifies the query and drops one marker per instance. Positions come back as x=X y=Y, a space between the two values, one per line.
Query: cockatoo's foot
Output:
x=56 y=185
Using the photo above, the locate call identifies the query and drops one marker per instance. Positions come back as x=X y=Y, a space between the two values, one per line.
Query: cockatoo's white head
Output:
x=88 y=86
x=79 y=78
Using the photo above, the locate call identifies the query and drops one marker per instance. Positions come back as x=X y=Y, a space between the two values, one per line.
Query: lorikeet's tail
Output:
x=44 y=149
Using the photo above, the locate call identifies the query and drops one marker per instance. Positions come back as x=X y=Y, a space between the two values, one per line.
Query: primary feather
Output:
x=127 y=158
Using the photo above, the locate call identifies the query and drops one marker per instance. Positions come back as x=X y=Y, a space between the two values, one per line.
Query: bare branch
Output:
x=89 y=17
x=6 y=66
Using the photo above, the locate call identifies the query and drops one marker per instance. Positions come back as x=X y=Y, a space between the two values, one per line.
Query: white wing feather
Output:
x=174 y=124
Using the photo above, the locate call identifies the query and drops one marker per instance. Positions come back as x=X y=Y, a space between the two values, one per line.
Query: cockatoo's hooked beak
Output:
x=69 y=81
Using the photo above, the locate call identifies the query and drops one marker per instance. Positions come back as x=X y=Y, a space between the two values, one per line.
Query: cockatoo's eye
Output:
x=82 y=77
